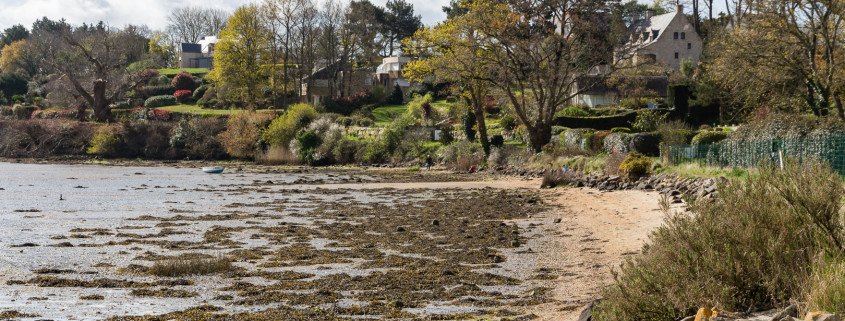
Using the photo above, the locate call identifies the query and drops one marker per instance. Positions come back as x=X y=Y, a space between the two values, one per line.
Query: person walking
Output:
x=428 y=162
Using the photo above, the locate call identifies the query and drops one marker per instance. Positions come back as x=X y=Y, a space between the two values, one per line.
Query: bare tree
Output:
x=189 y=24
x=282 y=17
x=307 y=33
x=89 y=64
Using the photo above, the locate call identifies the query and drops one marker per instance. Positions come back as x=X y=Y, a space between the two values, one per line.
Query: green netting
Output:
x=750 y=153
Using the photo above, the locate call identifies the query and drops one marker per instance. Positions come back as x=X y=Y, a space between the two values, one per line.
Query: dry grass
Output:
x=277 y=156
x=825 y=288
x=191 y=264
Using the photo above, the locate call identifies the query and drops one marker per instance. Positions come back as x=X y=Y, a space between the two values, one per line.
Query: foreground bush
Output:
x=635 y=166
x=283 y=129
x=242 y=133
x=750 y=248
x=198 y=137
x=44 y=137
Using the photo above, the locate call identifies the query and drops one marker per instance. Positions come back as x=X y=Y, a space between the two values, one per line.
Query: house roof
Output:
x=191 y=47
x=598 y=85
x=657 y=23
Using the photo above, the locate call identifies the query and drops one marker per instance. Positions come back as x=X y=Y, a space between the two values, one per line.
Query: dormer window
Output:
x=654 y=33
x=683 y=35
x=676 y=35
x=645 y=36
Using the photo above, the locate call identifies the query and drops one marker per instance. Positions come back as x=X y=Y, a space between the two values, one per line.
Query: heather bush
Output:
x=753 y=246
x=160 y=101
x=242 y=134
x=183 y=96
x=183 y=81
x=284 y=128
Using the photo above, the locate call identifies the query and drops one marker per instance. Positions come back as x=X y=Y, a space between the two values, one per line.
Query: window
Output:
x=689 y=45
x=654 y=34
x=683 y=35
x=676 y=55
x=676 y=35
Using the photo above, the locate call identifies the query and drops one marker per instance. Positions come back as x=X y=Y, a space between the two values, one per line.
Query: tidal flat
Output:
x=158 y=242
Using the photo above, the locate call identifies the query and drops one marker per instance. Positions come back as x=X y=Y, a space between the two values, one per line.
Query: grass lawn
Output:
x=192 y=71
x=193 y=109
x=384 y=115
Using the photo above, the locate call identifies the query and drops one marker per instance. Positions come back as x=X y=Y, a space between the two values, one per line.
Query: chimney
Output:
x=649 y=13
x=680 y=8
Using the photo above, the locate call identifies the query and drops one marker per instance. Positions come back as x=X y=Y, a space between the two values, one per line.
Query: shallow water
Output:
x=40 y=205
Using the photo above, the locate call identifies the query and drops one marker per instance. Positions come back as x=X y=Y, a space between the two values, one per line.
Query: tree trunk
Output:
x=478 y=110
x=101 y=104
x=539 y=136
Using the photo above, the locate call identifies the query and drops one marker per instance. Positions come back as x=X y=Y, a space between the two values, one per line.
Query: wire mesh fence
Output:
x=750 y=153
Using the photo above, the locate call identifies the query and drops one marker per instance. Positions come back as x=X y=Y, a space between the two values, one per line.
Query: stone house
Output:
x=198 y=55
x=665 y=39
x=599 y=91
x=333 y=79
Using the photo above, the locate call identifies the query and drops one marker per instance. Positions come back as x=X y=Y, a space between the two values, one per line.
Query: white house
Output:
x=665 y=39
x=197 y=55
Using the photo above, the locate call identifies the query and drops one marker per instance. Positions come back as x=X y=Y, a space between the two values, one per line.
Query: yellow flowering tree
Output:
x=237 y=57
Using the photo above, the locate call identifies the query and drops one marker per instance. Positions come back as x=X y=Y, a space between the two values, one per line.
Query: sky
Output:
x=153 y=13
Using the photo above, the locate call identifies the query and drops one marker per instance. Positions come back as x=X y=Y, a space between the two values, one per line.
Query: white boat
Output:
x=213 y=169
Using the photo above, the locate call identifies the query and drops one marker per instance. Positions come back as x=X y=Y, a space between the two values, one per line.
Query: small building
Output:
x=665 y=39
x=333 y=80
x=389 y=73
x=599 y=91
x=198 y=55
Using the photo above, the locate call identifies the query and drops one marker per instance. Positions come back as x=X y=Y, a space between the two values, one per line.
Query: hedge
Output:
x=160 y=101
x=709 y=137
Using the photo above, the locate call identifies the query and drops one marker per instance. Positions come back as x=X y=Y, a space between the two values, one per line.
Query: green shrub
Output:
x=647 y=120
x=709 y=138
x=105 y=141
x=469 y=125
x=620 y=130
x=200 y=92
x=283 y=129
x=645 y=143
x=396 y=96
x=447 y=135
x=507 y=123
x=574 y=111
x=18 y=99
x=635 y=166
x=307 y=142
x=748 y=248
x=160 y=90
x=378 y=95
x=242 y=133
x=497 y=141
x=160 y=101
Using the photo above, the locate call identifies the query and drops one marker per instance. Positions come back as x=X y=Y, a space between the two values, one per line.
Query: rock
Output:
x=786 y=314
x=515 y=243
x=557 y=220
x=821 y=316
x=587 y=313
x=435 y=223
x=400 y=229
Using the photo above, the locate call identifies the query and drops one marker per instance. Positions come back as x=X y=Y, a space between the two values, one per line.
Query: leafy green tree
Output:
x=237 y=65
x=396 y=97
x=12 y=34
x=12 y=84
x=399 y=23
